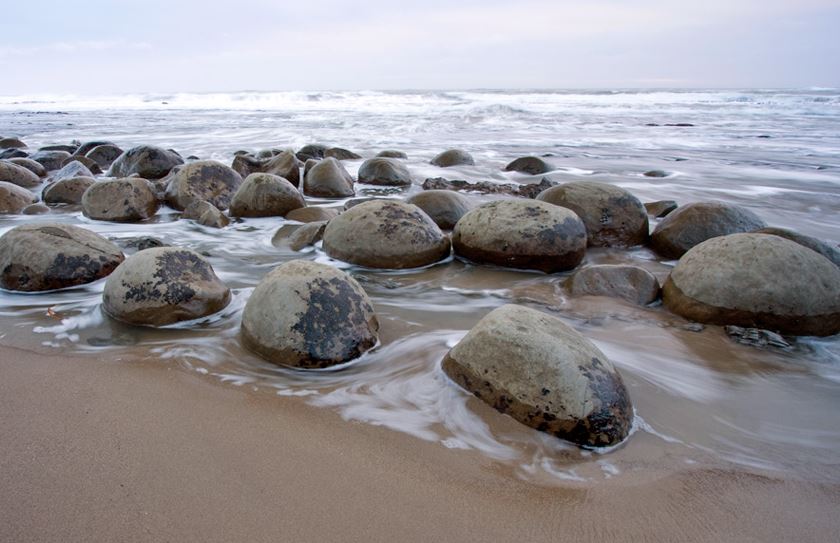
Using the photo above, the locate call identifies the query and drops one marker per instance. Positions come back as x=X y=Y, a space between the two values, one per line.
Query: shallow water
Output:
x=701 y=398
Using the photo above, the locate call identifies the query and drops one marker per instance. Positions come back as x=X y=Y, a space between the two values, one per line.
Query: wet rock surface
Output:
x=340 y=153
x=384 y=171
x=104 y=155
x=823 y=248
x=50 y=159
x=131 y=199
x=13 y=198
x=206 y=180
x=529 y=164
x=30 y=165
x=453 y=157
x=312 y=214
x=73 y=168
x=445 y=207
x=265 y=195
x=631 y=283
x=307 y=235
x=205 y=214
x=525 y=190
x=283 y=164
x=147 y=161
x=660 y=208
x=328 y=179
x=18 y=175
x=67 y=191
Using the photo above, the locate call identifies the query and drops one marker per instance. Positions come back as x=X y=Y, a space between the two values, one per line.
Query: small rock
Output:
x=529 y=164
x=660 y=208
x=312 y=214
x=453 y=157
x=313 y=150
x=35 y=209
x=656 y=173
x=384 y=171
x=756 y=337
x=307 y=235
x=390 y=153
x=205 y=214
x=631 y=283
x=341 y=154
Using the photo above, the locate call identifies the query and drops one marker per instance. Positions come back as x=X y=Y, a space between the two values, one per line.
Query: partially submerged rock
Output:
x=131 y=199
x=104 y=155
x=529 y=164
x=18 y=175
x=660 y=208
x=312 y=214
x=67 y=191
x=206 y=180
x=453 y=157
x=13 y=198
x=384 y=171
x=283 y=164
x=307 y=235
x=339 y=153
x=328 y=179
x=445 y=207
x=525 y=190
x=631 y=283
x=265 y=195
x=391 y=153
x=205 y=214
x=147 y=161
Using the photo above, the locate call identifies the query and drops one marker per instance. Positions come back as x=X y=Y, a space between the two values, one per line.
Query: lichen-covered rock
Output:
x=756 y=281
x=328 y=179
x=814 y=244
x=391 y=153
x=660 y=208
x=30 y=165
x=341 y=154
x=312 y=214
x=146 y=161
x=453 y=157
x=694 y=223
x=164 y=285
x=385 y=234
x=613 y=217
x=631 y=283
x=130 y=199
x=47 y=256
x=308 y=315
x=18 y=175
x=529 y=164
x=265 y=195
x=544 y=374
x=74 y=168
x=205 y=214
x=445 y=207
x=13 y=198
x=104 y=155
x=67 y=191
x=203 y=180
x=384 y=171
x=50 y=159
x=524 y=234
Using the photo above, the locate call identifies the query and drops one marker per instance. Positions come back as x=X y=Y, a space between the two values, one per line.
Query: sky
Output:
x=114 y=46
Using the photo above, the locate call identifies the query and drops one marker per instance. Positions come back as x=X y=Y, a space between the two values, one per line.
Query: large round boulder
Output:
x=284 y=164
x=445 y=207
x=694 y=223
x=164 y=285
x=831 y=253
x=308 y=315
x=50 y=159
x=529 y=164
x=18 y=175
x=524 y=234
x=631 y=283
x=30 y=165
x=104 y=155
x=385 y=234
x=13 y=198
x=757 y=281
x=328 y=179
x=130 y=199
x=453 y=157
x=48 y=256
x=613 y=217
x=146 y=161
x=265 y=195
x=544 y=374
x=67 y=191
x=384 y=171
x=203 y=180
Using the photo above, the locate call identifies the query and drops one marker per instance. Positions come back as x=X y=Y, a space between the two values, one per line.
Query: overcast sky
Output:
x=111 y=46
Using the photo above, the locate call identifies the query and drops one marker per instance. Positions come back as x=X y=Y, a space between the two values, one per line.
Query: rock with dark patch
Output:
x=656 y=173
x=544 y=374
x=12 y=143
x=13 y=153
x=384 y=171
x=694 y=223
x=341 y=154
x=453 y=157
x=131 y=199
x=30 y=165
x=74 y=168
x=814 y=244
x=757 y=281
x=67 y=191
x=18 y=175
x=445 y=207
x=391 y=153
x=525 y=190
x=88 y=163
x=660 y=208
x=265 y=195
x=205 y=214
x=283 y=164
x=104 y=155
x=14 y=198
x=64 y=147
x=631 y=283
x=613 y=217
x=147 y=161
x=385 y=234
x=313 y=150
x=529 y=164
x=522 y=234
x=308 y=315
x=164 y=285
x=86 y=147
x=143 y=242
x=50 y=160
x=356 y=201
x=48 y=256
x=37 y=208
x=203 y=180
x=328 y=179
x=307 y=235
x=312 y=214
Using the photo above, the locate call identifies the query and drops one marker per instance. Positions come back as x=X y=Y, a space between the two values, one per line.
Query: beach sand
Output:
x=119 y=450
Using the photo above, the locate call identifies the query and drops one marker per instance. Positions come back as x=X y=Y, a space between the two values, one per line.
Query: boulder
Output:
x=694 y=223
x=203 y=180
x=205 y=214
x=529 y=164
x=85 y=148
x=13 y=153
x=341 y=154
x=308 y=315
x=756 y=281
x=48 y=256
x=328 y=179
x=11 y=143
x=631 y=283
x=453 y=157
x=30 y=165
x=14 y=198
x=85 y=161
x=384 y=171
x=390 y=153
x=74 y=168
x=312 y=214
x=831 y=253
x=37 y=208
x=265 y=195
x=313 y=150
x=613 y=217
x=163 y=285
x=67 y=191
x=18 y=175
x=146 y=161
x=524 y=234
x=50 y=160
x=104 y=155
x=445 y=207
x=544 y=374
x=284 y=165
x=385 y=234
x=63 y=147
x=660 y=208
x=130 y=199
x=307 y=235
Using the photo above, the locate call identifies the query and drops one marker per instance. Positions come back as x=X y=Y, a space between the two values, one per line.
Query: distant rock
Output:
x=453 y=157
x=147 y=161
x=384 y=171
x=12 y=143
x=390 y=153
x=656 y=173
x=341 y=154
x=529 y=164
x=313 y=150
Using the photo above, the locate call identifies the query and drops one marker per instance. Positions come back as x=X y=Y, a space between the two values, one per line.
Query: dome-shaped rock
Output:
x=202 y=180
x=265 y=195
x=73 y=168
x=328 y=179
x=30 y=165
x=831 y=253
x=18 y=175
x=529 y=164
x=391 y=153
x=50 y=159
x=120 y=200
x=147 y=161
x=104 y=155
x=631 y=283
x=67 y=191
x=384 y=171
x=445 y=207
x=453 y=157
x=13 y=198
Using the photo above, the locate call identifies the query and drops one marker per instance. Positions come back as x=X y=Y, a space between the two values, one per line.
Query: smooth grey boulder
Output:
x=67 y=191
x=384 y=171
x=206 y=180
x=453 y=157
x=831 y=253
x=265 y=195
x=631 y=283
x=85 y=161
x=523 y=234
x=385 y=234
x=313 y=150
x=612 y=215
x=104 y=155
x=147 y=161
x=694 y=223
x=309 y=315
x=74 y=168
x=205 y=214
x=312 y=214
x=14 y=198
x=328 y=179
x=341 y=154
x=30 y=165
x=391 y=153
x=757 y=281
x=18 y=175
x=445 y=207
x=529 y=164
x=545 y=375
x=131 y=199
x=50 y=160
x=283 y=164
x=48 y=256
x=163 y=285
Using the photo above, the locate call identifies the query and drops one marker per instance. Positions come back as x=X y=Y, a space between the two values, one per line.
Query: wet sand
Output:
x=122 y=450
